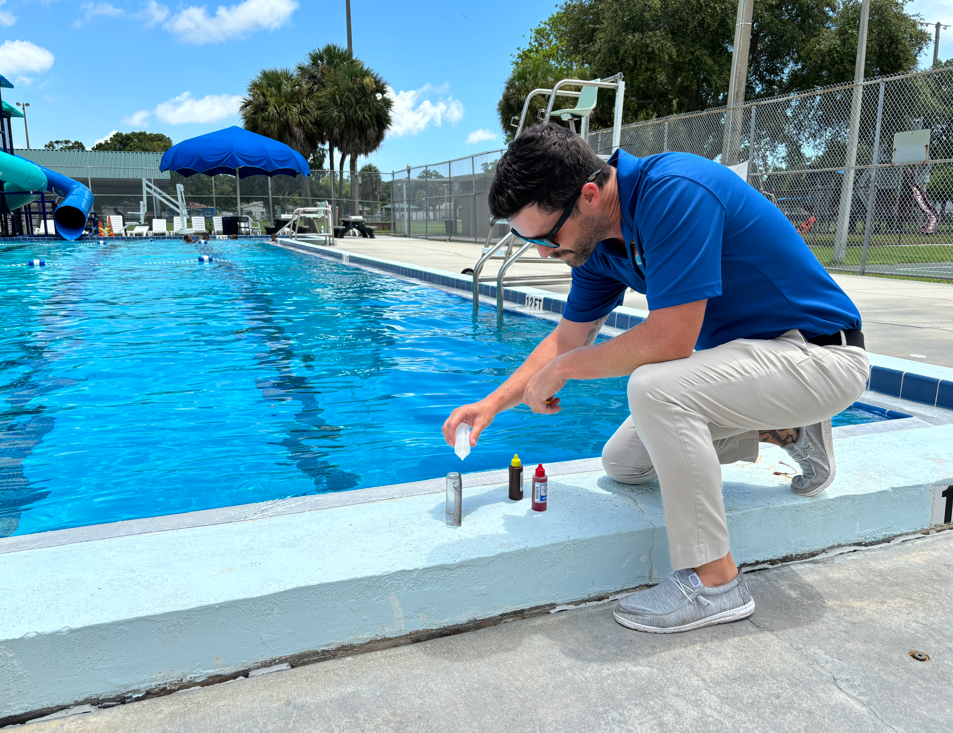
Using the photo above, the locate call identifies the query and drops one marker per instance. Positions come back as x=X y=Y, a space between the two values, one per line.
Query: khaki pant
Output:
x=690 y=415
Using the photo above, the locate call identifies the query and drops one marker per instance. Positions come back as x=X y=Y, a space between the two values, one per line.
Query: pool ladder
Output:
x=509 y=258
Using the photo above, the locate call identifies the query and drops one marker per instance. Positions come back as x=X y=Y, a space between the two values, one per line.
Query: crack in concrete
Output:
x=817 y=664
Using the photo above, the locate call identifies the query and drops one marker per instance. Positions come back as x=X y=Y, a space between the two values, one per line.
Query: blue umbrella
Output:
x=235 y=151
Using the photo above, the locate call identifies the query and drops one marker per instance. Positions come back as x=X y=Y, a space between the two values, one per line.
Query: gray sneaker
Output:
x=682 y=603
x=814 y=453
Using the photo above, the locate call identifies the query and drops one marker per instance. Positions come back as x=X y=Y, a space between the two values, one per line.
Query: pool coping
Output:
x=157 y=626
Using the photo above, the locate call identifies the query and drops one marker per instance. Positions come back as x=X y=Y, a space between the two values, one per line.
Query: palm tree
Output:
x=314 y=73
x=354 y=112
x=278 y=106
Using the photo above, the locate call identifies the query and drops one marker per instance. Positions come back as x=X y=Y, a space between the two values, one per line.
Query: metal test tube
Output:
x=454 y=499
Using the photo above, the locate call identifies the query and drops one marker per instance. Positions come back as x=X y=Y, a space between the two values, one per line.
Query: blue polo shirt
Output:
x=694 y=230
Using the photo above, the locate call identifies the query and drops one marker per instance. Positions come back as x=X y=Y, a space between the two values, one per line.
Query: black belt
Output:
x=847 y=337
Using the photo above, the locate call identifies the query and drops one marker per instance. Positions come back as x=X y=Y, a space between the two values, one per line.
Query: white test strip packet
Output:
x=461 y=444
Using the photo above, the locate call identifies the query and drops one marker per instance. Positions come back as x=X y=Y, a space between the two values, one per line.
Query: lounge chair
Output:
x=198 y=224
x=141 y=230
x=115 y=223
x=178 y=226
x=159 y=227
x=217 y=225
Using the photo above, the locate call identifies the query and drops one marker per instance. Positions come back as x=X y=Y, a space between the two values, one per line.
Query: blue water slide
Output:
x=70 y=216
x=22 y=180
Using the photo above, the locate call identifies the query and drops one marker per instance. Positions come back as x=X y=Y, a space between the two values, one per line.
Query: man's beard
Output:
x=592 y=230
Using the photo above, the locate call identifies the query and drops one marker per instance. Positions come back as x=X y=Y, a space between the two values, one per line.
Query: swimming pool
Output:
x=136 y=381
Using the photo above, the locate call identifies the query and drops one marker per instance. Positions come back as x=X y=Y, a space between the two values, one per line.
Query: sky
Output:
x=90 y=68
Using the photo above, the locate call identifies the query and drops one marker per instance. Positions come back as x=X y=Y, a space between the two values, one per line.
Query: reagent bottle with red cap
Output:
x=540 y=481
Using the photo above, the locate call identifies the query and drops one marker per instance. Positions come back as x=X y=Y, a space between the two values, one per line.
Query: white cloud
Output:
x=479 y=136
x=184 y=108
x=194 y=24
x=153 y=13
x=412 y=113
x=138 y=119
x=24 y=80
x=6 y=18
x=104 y=139
x=18 y=56
x=93 y=10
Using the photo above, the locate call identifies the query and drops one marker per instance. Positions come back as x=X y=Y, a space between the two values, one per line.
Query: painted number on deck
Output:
x=942 y=505
x=534 y=302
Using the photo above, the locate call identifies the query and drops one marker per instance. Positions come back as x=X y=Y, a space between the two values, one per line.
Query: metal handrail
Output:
x=478 y=268
x=499 y=276
x=519 y=128
x=523 y=279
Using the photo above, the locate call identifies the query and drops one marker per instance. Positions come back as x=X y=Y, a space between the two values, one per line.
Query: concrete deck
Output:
x=827 y=649
x=902 y=318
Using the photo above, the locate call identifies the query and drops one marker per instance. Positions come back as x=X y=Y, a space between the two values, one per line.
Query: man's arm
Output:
x=566 y=337
x=667 y=334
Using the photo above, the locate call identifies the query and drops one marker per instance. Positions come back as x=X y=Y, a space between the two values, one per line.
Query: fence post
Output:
x=393 y=208
x=426 y=202
x=407 y=205
x=476 y=237
x=451 y=213
x=271 y=208
x=872 y=193
x=754 y=110
x=665 y=138
x=842 y=233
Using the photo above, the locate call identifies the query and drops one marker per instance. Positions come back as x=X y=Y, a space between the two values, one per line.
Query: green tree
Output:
x=676 y=55
x=142 y=141
x=64 y=145
x=278 y=106
x=314 y=74
x=370 y=188
x=354 y=113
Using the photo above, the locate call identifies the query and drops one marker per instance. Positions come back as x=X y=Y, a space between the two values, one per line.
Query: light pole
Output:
x=936 y=40
x=25 y=127
x=349 y=50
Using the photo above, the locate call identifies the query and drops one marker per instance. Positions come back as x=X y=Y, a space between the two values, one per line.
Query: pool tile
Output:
x=944 y=397
x=887 y=381
x=610 y=319
x=918 y=388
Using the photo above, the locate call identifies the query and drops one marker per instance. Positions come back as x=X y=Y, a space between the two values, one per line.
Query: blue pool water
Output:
x=137 y=382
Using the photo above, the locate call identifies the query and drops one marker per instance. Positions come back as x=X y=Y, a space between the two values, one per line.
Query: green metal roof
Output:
x=9 y=111
x=98 y=163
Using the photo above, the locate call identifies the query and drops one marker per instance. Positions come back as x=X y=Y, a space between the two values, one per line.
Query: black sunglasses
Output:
x=547 y=239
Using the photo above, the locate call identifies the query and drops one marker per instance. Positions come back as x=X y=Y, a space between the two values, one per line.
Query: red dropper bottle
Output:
x=540 y=482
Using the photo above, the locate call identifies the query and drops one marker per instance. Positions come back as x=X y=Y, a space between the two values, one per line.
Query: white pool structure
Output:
x=116 y=612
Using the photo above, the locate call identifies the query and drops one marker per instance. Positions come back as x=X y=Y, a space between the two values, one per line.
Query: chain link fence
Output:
x=869 y=217
x=119 y=191
x=445 y=200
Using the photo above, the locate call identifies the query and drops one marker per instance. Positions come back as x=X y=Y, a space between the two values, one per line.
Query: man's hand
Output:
x=540 y=393
x=478 y=416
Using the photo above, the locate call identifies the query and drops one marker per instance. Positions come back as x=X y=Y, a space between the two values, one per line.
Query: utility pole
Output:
x=350 y=51
x=936 y=40
x=25 y=128
x=842 y=233
x=736 y=86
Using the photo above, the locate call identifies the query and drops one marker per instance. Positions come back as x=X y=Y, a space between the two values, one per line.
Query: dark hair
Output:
x=546 y=166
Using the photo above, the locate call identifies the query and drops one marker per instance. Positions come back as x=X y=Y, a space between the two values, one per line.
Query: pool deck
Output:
x=842 y=656
x=115 y=613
